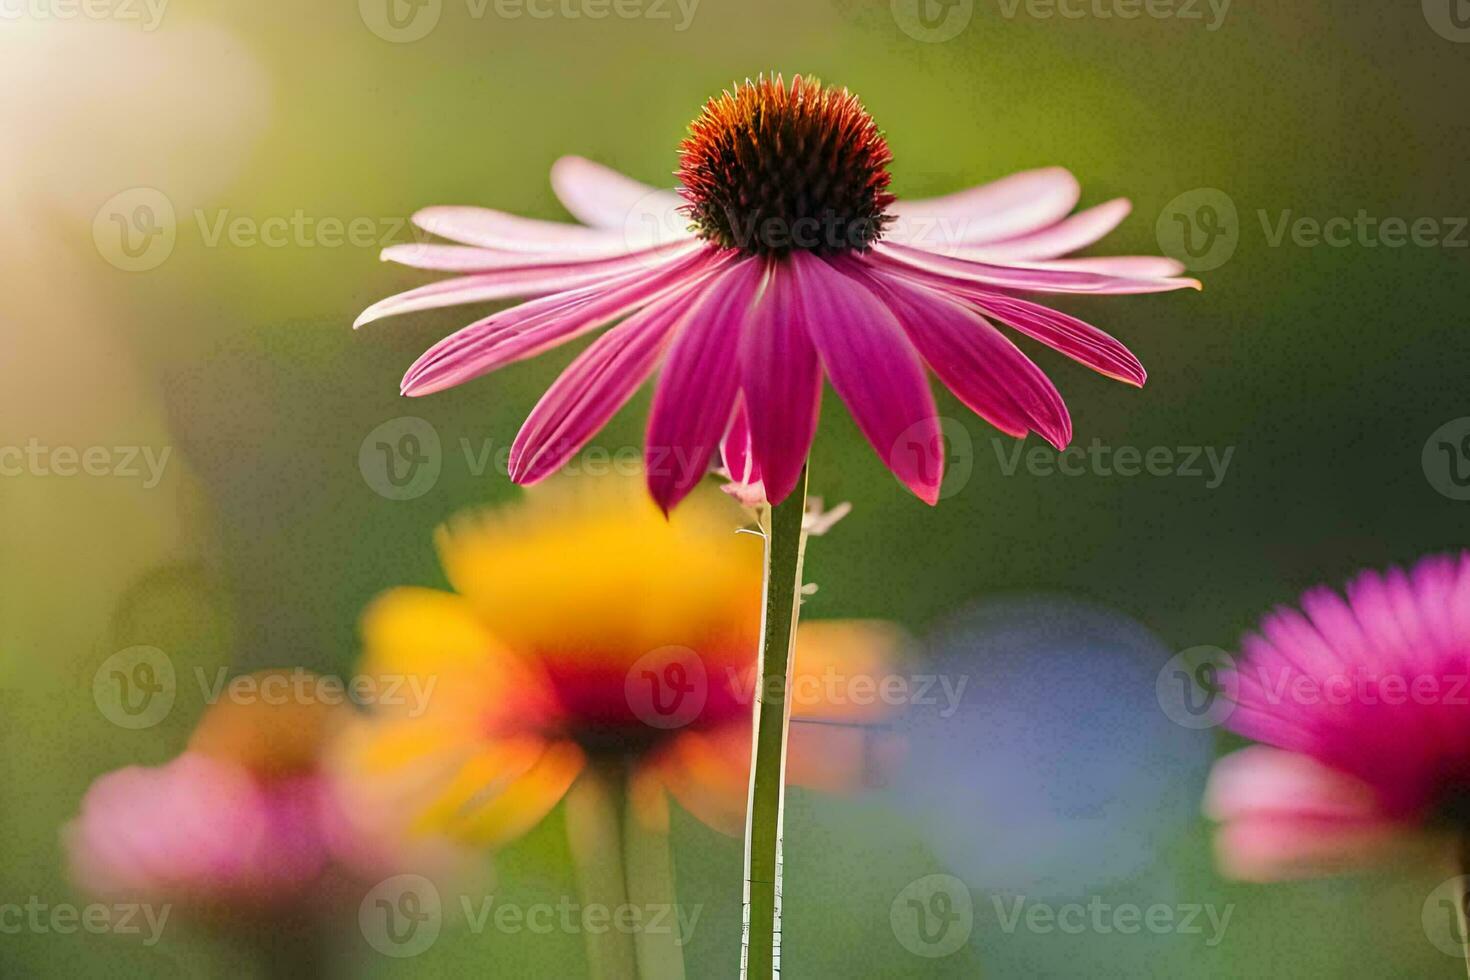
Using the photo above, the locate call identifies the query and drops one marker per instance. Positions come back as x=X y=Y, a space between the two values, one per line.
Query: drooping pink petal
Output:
x=1285 y=816
x=488 y=228
x=876 y=372
x=531 y=328
x=1068 y=235
x=1027 y=278
x=603 y=198
x=781 y=378
x=1012 y=206
x=535 y=276
x=592 y=389
x=974 y=360
x=1127 y=266
x=1065 y=334
x=696 y=389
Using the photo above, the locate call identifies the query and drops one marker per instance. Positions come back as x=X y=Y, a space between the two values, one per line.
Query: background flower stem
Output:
x=593 y=814
x=1463 y=870
x=649 y=859
x=785 y=547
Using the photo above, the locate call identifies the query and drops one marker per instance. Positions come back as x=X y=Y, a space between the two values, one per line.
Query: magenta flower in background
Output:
x=247 y=819
x=199 y=829
x=782 y=260
x=1364 y=711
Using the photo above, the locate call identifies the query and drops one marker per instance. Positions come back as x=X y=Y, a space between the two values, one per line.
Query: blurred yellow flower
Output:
x=585 y=626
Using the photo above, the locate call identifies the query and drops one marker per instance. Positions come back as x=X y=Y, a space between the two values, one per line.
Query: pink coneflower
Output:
x=1364 y=709
x=793 y=263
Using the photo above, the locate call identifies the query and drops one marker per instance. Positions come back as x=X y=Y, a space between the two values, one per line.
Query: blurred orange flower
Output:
x=586 y=626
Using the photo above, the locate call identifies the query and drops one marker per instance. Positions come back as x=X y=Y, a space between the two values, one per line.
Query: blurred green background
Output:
x=1325 y=368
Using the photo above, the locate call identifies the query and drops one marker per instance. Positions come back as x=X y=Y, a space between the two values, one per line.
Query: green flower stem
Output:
x=594 y=834
x=1464 y=871
x=785 y=547
x=650 y=863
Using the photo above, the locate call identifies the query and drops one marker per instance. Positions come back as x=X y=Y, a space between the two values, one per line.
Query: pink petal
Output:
x=539 y=325
x=1127 y=266
x=696 y=389
x=603 y=198
x=1031 y=278
x=497 y=229
x=876 y=372
x=1078 y=231
x=1065 y=334
x=592 y=389
x=781 y=379
x=974 y=360
x=1015 y=205
x=1287 y=816
x=538 y=275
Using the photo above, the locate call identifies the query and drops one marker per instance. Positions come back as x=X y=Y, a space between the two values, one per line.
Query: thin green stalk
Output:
x=650 y=862
x=594 y=834
x=785 y=546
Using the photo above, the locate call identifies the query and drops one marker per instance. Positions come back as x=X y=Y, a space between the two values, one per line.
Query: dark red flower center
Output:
x=769 y=168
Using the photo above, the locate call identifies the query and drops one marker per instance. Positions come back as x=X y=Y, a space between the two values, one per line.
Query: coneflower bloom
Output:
x=585 y=628
x=244 y=820
x=789 y=262
x=1363 y=707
